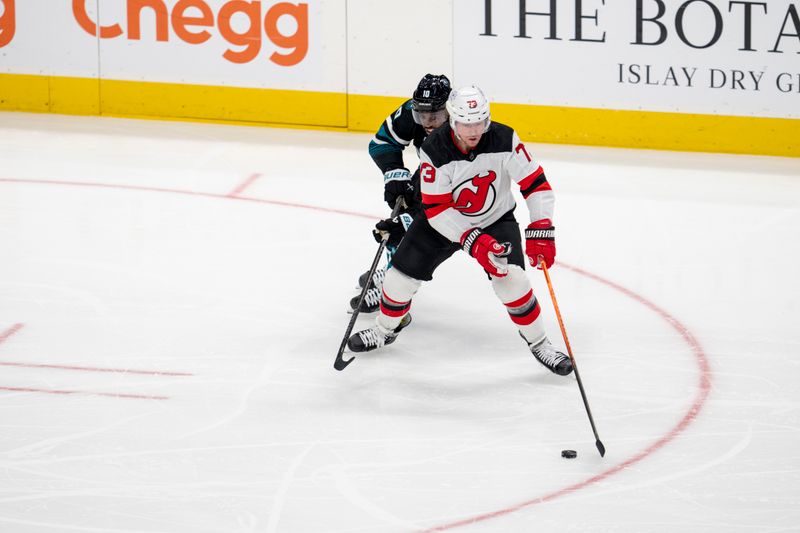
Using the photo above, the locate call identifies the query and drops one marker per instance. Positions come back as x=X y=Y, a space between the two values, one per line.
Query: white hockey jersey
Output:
x=462 y=191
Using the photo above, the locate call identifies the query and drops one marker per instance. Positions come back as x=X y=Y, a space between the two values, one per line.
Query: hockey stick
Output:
x=600 y=447
x=341 y=363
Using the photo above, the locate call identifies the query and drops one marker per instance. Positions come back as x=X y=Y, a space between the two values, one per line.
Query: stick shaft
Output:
x=598 y=443
x=340 y=363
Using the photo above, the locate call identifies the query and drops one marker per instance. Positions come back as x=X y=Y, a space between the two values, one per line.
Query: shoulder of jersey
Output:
x=407 y=111
x=499 y=138
x=439 y=146
x=403 y=123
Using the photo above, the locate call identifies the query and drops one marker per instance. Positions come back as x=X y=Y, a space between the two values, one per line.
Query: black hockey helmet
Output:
x=431 y=94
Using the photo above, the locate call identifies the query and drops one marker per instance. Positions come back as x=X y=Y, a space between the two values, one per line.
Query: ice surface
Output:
x=172 y=297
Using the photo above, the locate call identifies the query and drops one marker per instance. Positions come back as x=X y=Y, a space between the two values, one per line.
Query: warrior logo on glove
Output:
x=540 y=240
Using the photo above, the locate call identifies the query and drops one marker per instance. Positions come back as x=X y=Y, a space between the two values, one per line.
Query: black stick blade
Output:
x=341 y=364
x=600 y=448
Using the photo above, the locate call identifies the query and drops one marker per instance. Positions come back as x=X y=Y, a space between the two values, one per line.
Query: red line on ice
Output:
x=191 y=193
x=10 y=331
x=244 y=185
x=95 y=369
x=703 y=385
x=16 y=327
x=703 y=390
x=68 y=392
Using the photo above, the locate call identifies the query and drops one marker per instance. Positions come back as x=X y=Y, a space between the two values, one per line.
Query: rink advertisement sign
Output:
x=731 y=57
x=244 y=43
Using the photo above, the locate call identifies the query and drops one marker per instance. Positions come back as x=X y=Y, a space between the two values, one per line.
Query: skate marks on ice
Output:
x=440 y=431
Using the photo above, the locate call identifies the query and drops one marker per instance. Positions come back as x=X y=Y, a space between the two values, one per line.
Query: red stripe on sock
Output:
x=525 y=320
x=519 y=302
x=394 y=313
x=393 y=302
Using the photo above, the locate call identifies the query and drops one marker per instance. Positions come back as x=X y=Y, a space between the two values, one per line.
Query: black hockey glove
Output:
x=397 y=183
x=395 y=227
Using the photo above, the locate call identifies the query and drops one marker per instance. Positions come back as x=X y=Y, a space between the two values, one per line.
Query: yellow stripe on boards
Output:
x=20 y=92
x=365 y=113
x=239 y=104
x=74 y=96
x=368 y=112
x=654 y=130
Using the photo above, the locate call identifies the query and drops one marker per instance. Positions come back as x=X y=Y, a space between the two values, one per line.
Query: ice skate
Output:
x=376 y=336
x=371 y=301
x=377 y=278
x=557 y=362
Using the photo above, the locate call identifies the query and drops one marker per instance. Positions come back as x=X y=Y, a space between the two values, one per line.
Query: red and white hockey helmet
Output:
x=468 y=105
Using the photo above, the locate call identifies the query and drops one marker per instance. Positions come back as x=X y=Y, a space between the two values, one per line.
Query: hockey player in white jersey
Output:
x=467 y=169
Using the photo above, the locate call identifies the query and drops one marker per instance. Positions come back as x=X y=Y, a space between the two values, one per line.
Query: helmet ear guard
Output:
x=468 y=105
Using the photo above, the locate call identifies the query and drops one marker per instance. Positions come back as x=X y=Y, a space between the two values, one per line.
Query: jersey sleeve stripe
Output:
x=385 y=136
x=376 y=149
x=433 y=204
x=533 y=183
x=389 y=126
x=433 y=210
x=437 y=198
x=526 y=182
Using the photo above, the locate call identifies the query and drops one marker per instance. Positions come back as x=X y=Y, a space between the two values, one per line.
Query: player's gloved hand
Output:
x=396 y=183
x=540 y=240
x=487 y=251
x=395 y=228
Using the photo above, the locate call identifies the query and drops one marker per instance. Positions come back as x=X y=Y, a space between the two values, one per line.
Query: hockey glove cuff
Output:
x=487 y=251
x=540 y=240
x=394 y=229
x=397 y=183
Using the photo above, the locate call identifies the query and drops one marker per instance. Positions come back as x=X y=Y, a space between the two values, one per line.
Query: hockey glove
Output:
x=397 y=183
x=487 y=251
x=395 y=228
x=540 y=240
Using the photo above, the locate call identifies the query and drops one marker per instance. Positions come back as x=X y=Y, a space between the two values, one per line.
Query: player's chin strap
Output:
x=340 y=363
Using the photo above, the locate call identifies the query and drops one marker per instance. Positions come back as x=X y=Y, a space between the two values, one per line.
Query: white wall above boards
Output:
x=391 y=45
x=41 y=37
x=715 y=57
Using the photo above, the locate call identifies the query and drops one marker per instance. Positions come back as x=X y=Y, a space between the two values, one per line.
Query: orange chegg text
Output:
x=8 y=22
x=189 y=18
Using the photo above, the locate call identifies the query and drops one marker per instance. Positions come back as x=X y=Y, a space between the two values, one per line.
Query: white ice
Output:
x=172 y=297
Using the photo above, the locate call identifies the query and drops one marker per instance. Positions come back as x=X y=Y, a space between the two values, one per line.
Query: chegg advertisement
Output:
x=192 y=22
x=246 y=43
x=8 y=21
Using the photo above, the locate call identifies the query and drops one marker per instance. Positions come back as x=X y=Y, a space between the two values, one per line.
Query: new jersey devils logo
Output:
x=475 y=196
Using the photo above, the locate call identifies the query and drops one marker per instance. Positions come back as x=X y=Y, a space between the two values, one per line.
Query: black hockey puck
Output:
x=569 y=454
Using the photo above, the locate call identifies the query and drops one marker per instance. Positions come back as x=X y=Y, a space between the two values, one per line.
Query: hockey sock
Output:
x=515 y=291
x=398 y=289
